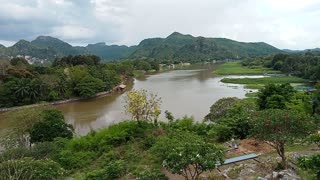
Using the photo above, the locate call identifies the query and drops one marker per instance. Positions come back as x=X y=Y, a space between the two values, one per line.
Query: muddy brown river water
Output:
x=188 y=92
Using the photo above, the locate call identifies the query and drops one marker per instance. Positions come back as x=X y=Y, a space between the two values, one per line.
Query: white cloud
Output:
x=73 y=32
x=282 y=23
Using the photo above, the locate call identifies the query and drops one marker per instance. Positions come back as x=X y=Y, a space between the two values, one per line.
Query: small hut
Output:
x=121 y=87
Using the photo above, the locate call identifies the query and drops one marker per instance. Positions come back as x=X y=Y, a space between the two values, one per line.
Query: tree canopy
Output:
x=50 y=127
x=280 y=128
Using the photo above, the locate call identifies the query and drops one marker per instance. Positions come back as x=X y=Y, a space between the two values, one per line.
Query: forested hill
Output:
x=47 y=47
x=176 y=46
x=187 y=47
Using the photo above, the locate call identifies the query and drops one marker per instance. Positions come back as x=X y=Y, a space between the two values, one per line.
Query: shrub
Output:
x=44 y=150
x=74 y=160
x=154 y=174
x=223 y=133
x=314 y=138
x=116 y=169
x=97 y=174
x=113 y=170
x=106 y=158
x=311 y=163
x=13 y=154
x=28 y=168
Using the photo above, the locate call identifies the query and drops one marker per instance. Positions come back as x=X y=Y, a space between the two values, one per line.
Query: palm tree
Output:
x=21 y=88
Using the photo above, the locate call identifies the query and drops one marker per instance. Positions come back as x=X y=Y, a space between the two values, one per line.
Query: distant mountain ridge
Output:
x=175 y=46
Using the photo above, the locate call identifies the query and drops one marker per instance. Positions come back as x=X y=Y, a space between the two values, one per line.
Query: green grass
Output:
x=235 y=68
x=254 y=86
x=265 y=80
x=251 y=95
x=138 y=73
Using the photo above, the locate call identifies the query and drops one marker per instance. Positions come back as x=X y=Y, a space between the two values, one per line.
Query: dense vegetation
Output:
x=194 y=49
x=72 y=76
x=265 y=80
x=236 y=68
x=306 y=65
x=145 y=149
x=178 y=47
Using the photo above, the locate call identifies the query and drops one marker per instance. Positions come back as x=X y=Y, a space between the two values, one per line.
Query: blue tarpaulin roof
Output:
x=239 y=158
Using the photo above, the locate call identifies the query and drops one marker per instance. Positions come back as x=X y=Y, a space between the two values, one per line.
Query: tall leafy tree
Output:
x=274 y=96
x=50 y=127
x=88 y=86
x=187 y=154
x=279 y=128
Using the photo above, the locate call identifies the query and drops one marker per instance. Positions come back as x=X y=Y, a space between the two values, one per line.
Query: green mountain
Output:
x=62 y=48
x=110 y=52
x=26 y=48
x=176 y=46
x=187 y=47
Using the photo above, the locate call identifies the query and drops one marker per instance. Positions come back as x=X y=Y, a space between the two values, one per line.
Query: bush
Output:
x=51 y=127
x=311 y=163
x=154 y=174
x=97 y=174
x=315 y=139
x=13 y=154
x=106 y=158
x=116 y=169
x=44 y=150
x=74 y=160
x=223 y=133
x=113 y=136
x=28 y=168
x=148 y=142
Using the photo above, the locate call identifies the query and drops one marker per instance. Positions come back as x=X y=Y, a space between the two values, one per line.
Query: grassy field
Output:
x=265 y=80
x=235 y=68
x=254 y=86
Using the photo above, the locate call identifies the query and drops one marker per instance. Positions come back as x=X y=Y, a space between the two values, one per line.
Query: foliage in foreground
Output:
x=230 y=118
x=50 y=127
x=279 y=128
x=28 y=168
x=187 y=154
x=311 y=163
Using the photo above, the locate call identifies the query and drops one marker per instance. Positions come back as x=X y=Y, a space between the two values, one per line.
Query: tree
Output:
x=187 y=154
x=51 y=127
x=316 y=100
x=89 y=86
x=274 y=96
x=18 y=61
x=279 y=128
x=311 y=163
x=169 y=116
x=4 y=66
x=219 y=108
x=232 y=119
x=142 y=105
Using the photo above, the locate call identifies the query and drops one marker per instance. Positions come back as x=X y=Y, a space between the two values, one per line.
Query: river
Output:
x=188 y=92
x=183 y=92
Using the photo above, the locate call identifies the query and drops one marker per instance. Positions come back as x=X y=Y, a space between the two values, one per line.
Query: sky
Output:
x=285 y=24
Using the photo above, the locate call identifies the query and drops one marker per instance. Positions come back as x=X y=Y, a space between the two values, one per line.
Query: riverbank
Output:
x=235 y=68
x=64 y=101
x=265 y=80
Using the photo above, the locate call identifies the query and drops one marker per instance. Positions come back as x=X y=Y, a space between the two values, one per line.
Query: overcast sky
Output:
x=292 y=24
